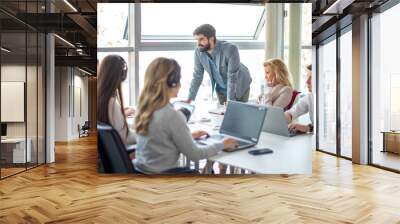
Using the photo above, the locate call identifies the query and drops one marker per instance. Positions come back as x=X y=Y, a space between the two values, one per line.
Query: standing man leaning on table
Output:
x=229 y=78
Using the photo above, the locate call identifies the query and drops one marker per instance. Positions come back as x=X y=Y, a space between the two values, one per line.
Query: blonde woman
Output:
x=163 y=134
x=279 y=89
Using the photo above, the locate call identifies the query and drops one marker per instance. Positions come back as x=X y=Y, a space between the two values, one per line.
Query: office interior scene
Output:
x=45 y=81
x=343 y=55
x=22 y=97
x=279 y=40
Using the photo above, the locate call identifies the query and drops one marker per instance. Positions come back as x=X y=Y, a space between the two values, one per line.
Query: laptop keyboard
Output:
x=220 y=138
x=241 y=143
x=217 y=137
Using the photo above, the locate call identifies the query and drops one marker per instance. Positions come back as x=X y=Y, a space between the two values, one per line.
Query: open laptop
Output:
x=275 y=122
x=243 y=122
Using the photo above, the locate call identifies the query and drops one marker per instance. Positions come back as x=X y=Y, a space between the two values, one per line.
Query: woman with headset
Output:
x=162 y=131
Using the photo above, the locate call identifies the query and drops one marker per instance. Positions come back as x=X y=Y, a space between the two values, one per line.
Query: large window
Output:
x=327 y=96
x=224 y=17
x=306 y=51
x=334 y=93
x=111 y=25
x=385 y=84
x=185 y=60
x=229 y=27
x=346 y=94
x=120 y=29
x=161 y=37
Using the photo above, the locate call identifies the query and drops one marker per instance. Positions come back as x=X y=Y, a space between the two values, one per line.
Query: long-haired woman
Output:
x=110 y=105
x=163 y=134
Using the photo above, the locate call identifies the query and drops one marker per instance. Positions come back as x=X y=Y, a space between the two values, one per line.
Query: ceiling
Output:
x=332 y=15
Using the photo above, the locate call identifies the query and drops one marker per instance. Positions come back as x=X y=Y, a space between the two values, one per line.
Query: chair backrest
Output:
x=86 y=125
x=294 y=95
x=112 y=154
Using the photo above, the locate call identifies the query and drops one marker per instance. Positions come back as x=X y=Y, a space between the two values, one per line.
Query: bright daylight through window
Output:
x=163 y=38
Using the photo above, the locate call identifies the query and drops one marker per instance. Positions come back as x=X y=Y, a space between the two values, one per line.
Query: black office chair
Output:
x=84 y=129
x=112 y=154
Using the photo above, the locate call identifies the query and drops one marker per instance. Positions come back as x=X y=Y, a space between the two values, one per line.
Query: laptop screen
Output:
x=243 y=120
x=3 y=129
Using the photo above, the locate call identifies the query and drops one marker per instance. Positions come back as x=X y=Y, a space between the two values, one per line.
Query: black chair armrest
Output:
x=130 y=149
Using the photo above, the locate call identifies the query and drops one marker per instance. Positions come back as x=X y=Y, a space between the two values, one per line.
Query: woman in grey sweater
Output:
x=162 y=131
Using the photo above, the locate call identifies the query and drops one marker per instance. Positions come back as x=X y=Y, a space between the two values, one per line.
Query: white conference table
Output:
x=291 y=155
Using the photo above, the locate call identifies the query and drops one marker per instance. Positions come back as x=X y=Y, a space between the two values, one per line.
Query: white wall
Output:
x=12 y=73
x=33 y=127
x=81 y=102
x=71 y=94
x=16 y=73
x=61 y=103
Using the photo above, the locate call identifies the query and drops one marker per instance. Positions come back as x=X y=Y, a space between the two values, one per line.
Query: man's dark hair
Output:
x=205 y=29
x=309 y=67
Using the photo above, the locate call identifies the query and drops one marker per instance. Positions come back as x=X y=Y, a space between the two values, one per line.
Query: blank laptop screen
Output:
x=243 y=120
x=3 y=129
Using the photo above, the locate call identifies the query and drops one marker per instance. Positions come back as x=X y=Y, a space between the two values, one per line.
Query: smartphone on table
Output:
x=260 y=151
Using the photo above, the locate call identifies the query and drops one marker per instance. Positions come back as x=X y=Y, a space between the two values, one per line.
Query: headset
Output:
x=124 y=68
x=174 y=77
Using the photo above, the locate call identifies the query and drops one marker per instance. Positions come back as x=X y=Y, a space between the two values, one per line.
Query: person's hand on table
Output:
x=299 y=127
x=188 y=101
x=199 y=134
x=288 y=117
x=229 y=144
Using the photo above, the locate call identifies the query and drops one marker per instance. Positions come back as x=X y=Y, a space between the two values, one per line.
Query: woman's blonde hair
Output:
x=280 y=70
x=156 y=89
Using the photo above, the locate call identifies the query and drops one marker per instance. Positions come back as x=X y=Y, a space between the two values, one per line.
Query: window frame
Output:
x=379 y=10
x=334 y=37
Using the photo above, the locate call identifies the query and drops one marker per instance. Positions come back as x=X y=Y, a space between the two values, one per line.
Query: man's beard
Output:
x=204 y=48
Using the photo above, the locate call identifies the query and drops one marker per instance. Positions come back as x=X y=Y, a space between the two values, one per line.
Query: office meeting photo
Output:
x=223 y=111
x=227 y=90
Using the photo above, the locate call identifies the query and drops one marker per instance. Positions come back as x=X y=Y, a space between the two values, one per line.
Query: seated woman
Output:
x=162 y=131
x=279 y=92
x=110 y=105
x=304 y=106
